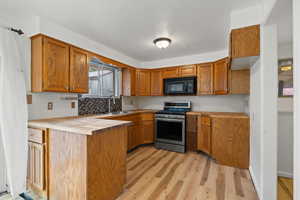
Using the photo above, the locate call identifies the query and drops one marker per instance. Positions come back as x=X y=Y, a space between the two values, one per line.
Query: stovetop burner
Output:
x=175 y=108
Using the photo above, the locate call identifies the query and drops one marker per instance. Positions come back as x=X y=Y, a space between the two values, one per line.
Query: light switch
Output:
x=50 y=106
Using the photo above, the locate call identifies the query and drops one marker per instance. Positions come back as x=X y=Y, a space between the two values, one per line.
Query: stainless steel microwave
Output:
x=180 y=86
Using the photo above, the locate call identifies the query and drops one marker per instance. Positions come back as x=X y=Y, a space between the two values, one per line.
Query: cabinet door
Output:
x=128 y=82
x=36 y=165
x=156 y=83
x=148 y=132
x=204 y=134
x=188 y=70
x=143 y=83
x=55 y=66
x=171 y=72
x=239 y=81
x=245 y=42
x=205 y=78
x=191 y=131
x=221 y=76
x=79 y=71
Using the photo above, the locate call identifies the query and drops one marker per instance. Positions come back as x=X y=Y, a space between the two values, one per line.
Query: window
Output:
x=285 y=78
x=104 y=80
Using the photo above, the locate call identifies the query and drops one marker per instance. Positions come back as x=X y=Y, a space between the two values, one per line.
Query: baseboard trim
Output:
x=285 y=174
x=256 y=186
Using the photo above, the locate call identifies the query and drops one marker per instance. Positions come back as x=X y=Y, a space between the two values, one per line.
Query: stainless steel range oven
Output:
x=170 y=126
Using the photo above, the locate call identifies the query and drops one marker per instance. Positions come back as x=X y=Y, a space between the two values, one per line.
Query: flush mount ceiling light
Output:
x=162 y=42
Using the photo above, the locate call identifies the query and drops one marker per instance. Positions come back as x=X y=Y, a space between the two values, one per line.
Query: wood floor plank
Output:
x=158 y=174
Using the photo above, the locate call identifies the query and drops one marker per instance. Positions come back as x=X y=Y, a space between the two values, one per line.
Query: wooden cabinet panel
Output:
x=143 y=83
x=239 y=81
x=188 y=70
x=245 y=42
x=205 y=78
x=55 y=66
x=204 y=134
x=230 y=141
x=191 y=131
x=148 y=132
x=170 y=72
x=36 y=167
x=156 y=83
x=128 y=82
x=79 y=71
x=221 y=76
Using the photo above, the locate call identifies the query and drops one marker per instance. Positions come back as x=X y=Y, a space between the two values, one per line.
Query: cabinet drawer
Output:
x=205 y=120
x=35 y=135
x=147 y=116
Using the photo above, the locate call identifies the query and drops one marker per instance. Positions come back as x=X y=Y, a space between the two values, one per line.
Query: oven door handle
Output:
x=169 y=120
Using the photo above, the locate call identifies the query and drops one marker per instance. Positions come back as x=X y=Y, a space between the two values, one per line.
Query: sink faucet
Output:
x=114 y=102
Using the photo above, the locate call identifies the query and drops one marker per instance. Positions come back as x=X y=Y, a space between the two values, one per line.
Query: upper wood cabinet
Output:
x=239 y=81
x=57 y=66
x=128 y=82
x=79 y=70
x=245 y=42
x=188 y=70
x=221 y=76
x=170 y=72
x=205 y=77
x=143 y=82
x=156 y=83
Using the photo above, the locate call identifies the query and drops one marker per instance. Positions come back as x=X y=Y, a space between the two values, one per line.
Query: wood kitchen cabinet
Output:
x=230 y=141
x=128 y=82
x=204 y=134
x=57 y=66
x=79 y=69
x=170 y=72
x=143 y=81
x=148 y=131
x=188 y=70
x=239 y=81
x=205 y=78
x=37 y=179
x=156 y=83
x=245 y=42
x=191 y=131
x=221 y=70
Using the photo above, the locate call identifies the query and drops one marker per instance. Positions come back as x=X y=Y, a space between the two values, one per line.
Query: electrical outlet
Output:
x=50 y=106
x=73 y=104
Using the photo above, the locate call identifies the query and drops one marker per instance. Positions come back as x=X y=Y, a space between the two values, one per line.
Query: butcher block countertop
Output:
x=87 y=125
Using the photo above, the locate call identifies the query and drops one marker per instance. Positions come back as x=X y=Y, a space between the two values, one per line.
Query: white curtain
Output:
x=13 y=109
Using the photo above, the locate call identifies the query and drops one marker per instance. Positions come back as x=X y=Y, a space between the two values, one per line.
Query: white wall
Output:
x=246 y=17
x=269 y=94
x=227 y=103
x=255 y=125
x=296 y=53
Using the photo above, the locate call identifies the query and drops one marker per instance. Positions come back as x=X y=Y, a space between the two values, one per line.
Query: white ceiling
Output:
x=195 y=26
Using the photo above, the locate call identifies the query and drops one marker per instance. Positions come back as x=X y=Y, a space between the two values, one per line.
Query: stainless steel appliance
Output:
x=180 y=86
x=170 y=126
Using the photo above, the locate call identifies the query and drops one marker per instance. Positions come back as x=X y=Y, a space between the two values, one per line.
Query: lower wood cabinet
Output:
x=141 y=131
x=226 y=138
x=37 y=162
x=148 y=131
x=204 y=134
x=230 y=141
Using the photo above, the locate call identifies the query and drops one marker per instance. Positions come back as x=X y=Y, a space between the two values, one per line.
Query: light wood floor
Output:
x=157 y=174
x=285 y=188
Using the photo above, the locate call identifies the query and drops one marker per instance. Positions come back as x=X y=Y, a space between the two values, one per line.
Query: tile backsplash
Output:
x=88 y=105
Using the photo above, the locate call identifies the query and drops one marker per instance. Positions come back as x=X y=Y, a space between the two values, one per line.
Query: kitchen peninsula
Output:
x=85 y=157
